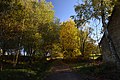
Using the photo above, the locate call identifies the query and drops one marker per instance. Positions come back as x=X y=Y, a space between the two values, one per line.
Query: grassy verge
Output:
x=101 y=72
x=35 y=71
x=17 y=74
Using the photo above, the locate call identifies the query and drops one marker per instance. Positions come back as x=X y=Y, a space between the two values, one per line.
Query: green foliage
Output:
x=10 y=26
x=41 y=68
x=40 y=16
x=56 y=50
x=21 y=23
x=50 y=37
x=93 y=9
x=37 y=71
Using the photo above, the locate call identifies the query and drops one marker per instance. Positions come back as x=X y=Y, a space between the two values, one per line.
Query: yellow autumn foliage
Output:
x=69 y=39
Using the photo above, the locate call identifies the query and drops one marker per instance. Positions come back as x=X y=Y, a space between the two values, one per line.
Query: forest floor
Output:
x=65 y=71
x=61 y=70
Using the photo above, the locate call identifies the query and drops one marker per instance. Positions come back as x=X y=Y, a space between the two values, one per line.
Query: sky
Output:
x=63 y=8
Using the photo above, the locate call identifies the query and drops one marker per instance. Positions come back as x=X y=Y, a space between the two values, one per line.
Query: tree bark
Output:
x=16 y=58
x=2 y=57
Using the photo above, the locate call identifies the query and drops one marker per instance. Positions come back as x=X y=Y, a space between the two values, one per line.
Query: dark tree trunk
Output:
x=16 y=58
x=108 y=36
x=30 y=56
x=2 y=58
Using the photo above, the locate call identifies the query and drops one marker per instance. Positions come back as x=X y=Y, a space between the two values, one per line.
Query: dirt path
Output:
x=64 y=76
x=62 y=71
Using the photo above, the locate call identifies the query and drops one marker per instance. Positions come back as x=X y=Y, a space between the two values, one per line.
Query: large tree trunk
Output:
x=108 y=36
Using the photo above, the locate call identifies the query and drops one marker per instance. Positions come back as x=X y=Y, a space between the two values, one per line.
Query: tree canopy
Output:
x=70 y=39
x=93 y=9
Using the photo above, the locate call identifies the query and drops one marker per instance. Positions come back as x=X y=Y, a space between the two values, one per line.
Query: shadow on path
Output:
x=62 y=71
x=63 y=76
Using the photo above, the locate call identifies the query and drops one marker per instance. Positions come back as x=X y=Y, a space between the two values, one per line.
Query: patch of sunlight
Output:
x=48 y=59
x=59 y=57
x=94 y=54
x=59 y=70
x=77 y=67
x=95 y=57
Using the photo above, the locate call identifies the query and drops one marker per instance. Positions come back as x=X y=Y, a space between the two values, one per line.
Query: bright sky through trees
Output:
x=64 y=8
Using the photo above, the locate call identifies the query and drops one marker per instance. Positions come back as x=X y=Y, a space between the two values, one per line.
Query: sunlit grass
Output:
x=77 y=67
x=54 y=58
x=94 y=56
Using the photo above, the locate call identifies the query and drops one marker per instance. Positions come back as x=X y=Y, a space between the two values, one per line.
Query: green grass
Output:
x=38 y=70
x=76 y=66
x=17 y=74
x=35 y=71
x=102 y=71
